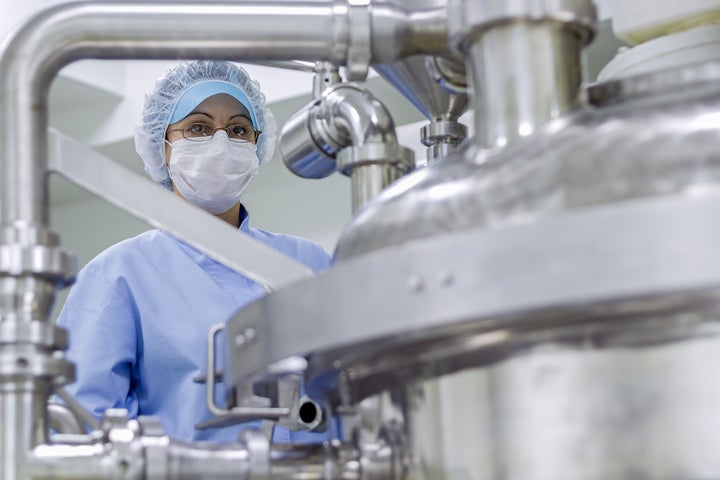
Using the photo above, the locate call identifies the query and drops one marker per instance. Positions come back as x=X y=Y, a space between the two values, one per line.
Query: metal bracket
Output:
x=239 y=414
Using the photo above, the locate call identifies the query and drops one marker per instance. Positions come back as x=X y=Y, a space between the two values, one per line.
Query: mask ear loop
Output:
x=167 y=167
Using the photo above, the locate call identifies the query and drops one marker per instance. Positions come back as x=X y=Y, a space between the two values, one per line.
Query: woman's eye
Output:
x=198 y=129
x=238 y=131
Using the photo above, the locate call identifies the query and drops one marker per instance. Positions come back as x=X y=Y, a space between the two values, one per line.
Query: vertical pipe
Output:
x=523 y=75
x=23 y=418
x=367 y=181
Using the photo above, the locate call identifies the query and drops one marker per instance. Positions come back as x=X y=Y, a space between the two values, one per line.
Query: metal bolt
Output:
x=246 y=338
x=416 y=283
x=250 y=335
x=123 y=465
x=446 y=278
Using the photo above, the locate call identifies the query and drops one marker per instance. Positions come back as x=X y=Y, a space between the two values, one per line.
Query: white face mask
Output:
x=213 y=174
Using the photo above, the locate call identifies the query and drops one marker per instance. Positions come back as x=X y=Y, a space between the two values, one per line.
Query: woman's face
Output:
x=218 y=111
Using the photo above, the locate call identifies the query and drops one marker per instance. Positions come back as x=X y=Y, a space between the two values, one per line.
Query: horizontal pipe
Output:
x=157 y=456
x=189 y=462
x=398 y=33
x=267 y=30
x=139 y=457
x=79 y=462
x=297 y=65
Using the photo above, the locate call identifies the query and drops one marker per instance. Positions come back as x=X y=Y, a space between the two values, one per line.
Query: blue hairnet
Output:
x=169 y=89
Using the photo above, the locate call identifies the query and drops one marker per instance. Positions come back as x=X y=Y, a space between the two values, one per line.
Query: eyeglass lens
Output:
x=237 y=131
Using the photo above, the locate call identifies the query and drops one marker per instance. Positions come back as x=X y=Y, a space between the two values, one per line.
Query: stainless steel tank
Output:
x=640 y=137
x=548 y=311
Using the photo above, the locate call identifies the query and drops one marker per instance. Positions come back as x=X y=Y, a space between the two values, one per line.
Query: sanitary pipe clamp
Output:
x=403 y=159
x=443 y=132
x=358 y=56
x=449 y=73
x=28 y=348
x=35 y=252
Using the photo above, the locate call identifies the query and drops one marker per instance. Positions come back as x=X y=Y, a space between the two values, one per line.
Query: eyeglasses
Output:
x=202 y=132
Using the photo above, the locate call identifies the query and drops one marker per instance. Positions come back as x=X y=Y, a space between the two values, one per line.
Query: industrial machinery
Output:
x=539 y=302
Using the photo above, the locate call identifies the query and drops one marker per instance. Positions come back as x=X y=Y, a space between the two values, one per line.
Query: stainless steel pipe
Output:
x=524 y=74
x=343 y=116
x=23 y=412
x=349 y=130
x=367 y=181
x=63 y=420
x=139 y=449
x=29 y=367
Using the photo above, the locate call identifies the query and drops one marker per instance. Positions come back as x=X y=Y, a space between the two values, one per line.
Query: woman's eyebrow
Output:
x=241 y=115
x=200 y=113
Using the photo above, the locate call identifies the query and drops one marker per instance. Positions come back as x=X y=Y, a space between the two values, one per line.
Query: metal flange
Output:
x=35 y=251
x=23 y=361
x=358 y=55
x=444 y=131
x=469 y=19
x=39 y=333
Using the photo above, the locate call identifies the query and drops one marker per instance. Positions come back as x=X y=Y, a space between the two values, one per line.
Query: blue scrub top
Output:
x=138 y=317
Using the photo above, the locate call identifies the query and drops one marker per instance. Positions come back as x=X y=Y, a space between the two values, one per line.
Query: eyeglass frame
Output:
x=215 y=129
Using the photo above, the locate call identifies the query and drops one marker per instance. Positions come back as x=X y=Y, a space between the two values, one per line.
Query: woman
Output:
x=139 y=313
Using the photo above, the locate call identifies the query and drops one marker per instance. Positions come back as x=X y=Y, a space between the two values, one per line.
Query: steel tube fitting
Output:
x=442 y=139
x=350 y=131
x=344 y=116
x=306 y=149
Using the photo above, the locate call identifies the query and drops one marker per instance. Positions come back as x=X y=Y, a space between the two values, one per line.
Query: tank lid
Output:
x=654 y=83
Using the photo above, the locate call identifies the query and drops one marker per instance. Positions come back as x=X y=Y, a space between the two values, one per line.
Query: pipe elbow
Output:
x=356 y=118
x=63 y=420
x=345 y=116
